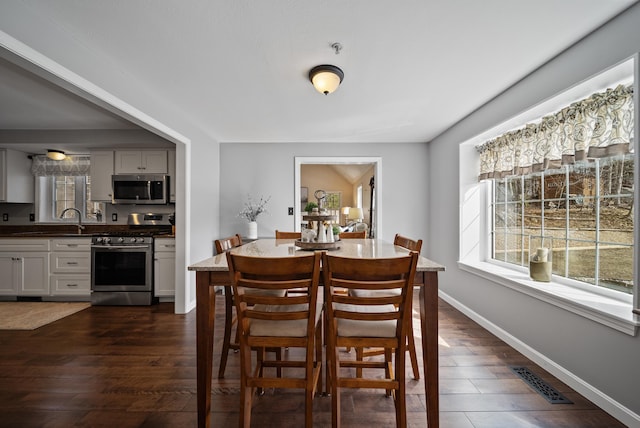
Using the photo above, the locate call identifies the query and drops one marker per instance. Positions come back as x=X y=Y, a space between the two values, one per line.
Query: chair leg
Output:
x=401 y=393
x=359 y=357
x=335 y=391
x=228 y=324
x=246 y=393
x=411 y=347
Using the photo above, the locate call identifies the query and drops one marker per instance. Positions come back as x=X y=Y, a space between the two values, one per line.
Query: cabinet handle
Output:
x=72 y=263
x=72 y=285
x=71 y=245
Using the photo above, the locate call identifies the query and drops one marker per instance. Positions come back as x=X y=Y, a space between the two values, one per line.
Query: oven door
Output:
x=121 y=268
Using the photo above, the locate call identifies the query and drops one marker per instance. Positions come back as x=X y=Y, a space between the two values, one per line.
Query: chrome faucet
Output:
x=80 y=226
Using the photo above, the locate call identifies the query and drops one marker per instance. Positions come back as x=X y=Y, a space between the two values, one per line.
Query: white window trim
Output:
x=612 y=309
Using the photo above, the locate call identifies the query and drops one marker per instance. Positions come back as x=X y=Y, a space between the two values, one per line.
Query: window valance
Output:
x=72 y=165
x=598 y=126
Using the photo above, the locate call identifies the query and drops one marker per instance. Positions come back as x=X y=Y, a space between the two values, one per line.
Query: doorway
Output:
x=375 y=205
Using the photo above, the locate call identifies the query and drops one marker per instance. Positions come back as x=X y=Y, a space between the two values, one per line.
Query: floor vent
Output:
x=540 y=386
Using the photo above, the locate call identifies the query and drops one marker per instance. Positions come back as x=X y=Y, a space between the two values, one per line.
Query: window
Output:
x=57 y=193
x=585 y=206
x=587 y=210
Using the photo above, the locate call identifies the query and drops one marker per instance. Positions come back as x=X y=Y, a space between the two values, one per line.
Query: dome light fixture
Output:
x=56 y=155
x=326 y=78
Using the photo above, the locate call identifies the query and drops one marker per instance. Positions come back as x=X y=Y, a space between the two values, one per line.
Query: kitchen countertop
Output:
x=71 y=231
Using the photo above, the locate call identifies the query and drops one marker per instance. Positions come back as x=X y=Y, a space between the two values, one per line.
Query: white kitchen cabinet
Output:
x=70 y=267
x=101 y=172
x=141 y=162
x=17 y=183
x=24 y=267
x=164 y=267
x=172 y=174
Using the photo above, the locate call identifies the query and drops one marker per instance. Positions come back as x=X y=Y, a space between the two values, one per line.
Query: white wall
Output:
x=268 y=169
x=607 y=360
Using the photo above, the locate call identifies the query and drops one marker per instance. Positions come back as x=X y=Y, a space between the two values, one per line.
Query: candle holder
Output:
x=540 y=258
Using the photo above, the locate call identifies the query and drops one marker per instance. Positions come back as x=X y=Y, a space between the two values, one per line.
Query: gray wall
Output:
x=604 y=358
x=268 y=169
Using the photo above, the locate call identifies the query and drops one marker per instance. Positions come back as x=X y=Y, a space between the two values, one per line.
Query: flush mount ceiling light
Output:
x=56 y=154
x=326 y=78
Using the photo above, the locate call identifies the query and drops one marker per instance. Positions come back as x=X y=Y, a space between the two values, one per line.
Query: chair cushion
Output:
x=355 y=328
x=293 y=328
x=373 y=293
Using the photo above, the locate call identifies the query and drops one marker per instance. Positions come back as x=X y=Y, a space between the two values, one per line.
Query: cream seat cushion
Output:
x=293 y=328
x=357 y=328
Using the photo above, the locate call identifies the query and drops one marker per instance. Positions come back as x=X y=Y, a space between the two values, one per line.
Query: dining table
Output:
x=213 y=272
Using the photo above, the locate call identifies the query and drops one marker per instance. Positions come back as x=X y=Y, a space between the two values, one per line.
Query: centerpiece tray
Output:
x=317 y=245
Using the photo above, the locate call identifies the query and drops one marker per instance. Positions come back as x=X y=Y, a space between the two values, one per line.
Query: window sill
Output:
x=613 y=313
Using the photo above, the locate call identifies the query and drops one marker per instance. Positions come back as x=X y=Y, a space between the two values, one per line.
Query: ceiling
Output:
x=239 y=69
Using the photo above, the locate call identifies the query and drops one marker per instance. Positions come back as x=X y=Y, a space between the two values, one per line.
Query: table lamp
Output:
x=355 y=214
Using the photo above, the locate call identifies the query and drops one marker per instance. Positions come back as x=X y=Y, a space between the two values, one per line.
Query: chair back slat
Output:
x=225 y=244
x=288 y=235
x=353 y=235
x=408 y=243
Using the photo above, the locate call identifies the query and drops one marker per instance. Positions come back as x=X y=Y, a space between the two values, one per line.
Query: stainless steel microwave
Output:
x=140 y=189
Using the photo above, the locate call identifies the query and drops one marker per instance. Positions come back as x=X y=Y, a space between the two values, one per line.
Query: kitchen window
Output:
x=57 y=193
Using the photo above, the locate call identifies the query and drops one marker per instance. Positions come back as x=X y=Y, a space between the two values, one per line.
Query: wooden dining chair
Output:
x=368 y=320
x=223 y=245
x=288 y=235
x=353 y=235
x=277 y=319
x=361 y=353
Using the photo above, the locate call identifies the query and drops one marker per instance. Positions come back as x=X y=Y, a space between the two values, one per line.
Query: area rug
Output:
x=31 y=315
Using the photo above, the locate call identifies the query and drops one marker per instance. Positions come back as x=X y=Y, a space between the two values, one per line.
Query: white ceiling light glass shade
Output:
x=56 y=155
x=326 y=78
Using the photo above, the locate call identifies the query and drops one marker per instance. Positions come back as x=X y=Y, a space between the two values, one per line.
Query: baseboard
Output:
x=606 y=403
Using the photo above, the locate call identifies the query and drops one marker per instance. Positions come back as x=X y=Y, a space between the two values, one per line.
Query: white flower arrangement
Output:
x=252 y=210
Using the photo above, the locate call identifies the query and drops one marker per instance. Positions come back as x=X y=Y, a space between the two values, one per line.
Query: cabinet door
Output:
x=154 y=161
x=164 y=274
x=101 y=172
x=128 y=162
x=8 y=284
x=33 y=274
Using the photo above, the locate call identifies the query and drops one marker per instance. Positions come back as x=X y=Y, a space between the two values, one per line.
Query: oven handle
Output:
x=121 y=247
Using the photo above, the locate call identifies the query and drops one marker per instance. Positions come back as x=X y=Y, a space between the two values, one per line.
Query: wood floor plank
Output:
x=136 y=367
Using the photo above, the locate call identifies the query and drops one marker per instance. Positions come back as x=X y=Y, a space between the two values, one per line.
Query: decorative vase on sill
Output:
x=252 y=230
x=540 y=258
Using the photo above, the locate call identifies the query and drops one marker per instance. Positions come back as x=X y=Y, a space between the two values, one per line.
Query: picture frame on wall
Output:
x=304 y=196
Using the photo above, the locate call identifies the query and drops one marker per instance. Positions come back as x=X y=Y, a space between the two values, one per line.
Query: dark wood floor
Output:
x=136 y=367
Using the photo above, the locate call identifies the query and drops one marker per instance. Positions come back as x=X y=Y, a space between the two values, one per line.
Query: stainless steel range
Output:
x=122 y=264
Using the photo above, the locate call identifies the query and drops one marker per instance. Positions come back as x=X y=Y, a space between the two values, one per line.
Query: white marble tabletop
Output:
x=355 y=248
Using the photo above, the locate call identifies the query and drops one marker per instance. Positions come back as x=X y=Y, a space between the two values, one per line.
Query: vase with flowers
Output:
x=252 y=209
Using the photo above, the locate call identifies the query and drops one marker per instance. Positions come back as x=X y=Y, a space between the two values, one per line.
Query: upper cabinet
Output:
x=141 y=162
x=16 y=181
x=101 y=172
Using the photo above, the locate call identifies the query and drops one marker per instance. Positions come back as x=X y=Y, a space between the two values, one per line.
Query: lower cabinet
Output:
x=24 y=267
x=164 y=267
x=24 y=274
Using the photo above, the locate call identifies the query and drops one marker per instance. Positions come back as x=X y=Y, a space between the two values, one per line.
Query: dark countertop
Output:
x=71 y=230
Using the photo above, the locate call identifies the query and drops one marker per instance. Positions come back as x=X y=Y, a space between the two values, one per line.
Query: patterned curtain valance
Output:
x=72 y=165
x=598 y=126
